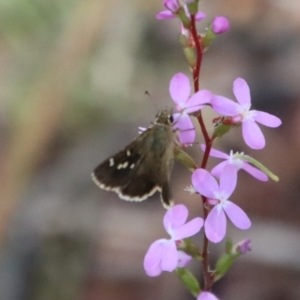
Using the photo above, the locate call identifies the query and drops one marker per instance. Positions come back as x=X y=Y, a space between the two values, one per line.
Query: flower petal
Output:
x=237 y=216
x=215 y=224
x=224 y=106
x=267 y=119
x=189 y=229
x=228 y=179
x=216 y=171
x=253 y=136
x=197 y=101
x=165 y=14
x=204 y=183
x=172 y=5
x=153 y=258
x=182 y=259
x=175 y=217
x=241 y=91
x=215 y=153
x=180 y=88
x=169 y=257
x=200 y=16
x=187 y=133
x=256 y=173
x=207 y=296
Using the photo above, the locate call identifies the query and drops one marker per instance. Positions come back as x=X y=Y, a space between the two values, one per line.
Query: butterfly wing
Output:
x=141 y=169
x=115 y=172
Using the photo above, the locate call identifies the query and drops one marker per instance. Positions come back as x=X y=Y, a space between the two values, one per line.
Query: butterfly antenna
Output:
x=153 y=102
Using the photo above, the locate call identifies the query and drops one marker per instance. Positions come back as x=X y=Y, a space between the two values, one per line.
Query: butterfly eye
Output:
x=171 y=119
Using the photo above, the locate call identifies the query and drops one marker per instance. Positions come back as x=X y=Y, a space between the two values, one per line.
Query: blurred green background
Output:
x=73 y=78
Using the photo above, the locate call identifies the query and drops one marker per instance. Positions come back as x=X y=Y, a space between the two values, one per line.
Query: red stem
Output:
x=196 y=74
x=208 y=279
x=196 y=71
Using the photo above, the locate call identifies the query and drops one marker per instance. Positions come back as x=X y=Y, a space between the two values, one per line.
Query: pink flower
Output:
x=180 y=93
x=162 y=254
x=207 y=296
x=182 y=259
x=241 y=113
x=165 y=14
x=233 y=159
x=217 y=195
x=173 y=6
x=220 y=25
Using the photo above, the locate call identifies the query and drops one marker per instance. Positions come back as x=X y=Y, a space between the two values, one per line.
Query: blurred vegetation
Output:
x=72 y=80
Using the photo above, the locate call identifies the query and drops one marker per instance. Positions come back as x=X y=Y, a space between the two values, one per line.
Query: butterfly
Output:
x=143 y=167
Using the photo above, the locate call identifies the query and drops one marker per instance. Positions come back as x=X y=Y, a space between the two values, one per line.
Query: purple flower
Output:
x=220 y=25
x=173 y=6
x=180 y=93
x=244 y=246
x=162 y=254
x=165 y=14
x=241 y=113
x=207 y=296
x=199 y=15
x=217 y=195
x=233 y=159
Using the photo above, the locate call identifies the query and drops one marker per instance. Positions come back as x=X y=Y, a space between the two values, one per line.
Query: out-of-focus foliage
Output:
x=72 y=79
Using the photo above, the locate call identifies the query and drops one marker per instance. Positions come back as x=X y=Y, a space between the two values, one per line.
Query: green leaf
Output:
x=183 y=41
x=229 y=246
x=193 y=7
x=208 y=37
x=183 y=18
x=224 y=263
x=258 y=164
x=185 y=159
x=221 y=129
x=190 y=56
x=191 y=249
x=189 y=281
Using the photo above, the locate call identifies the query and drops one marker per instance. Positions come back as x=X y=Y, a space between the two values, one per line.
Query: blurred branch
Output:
x=34 y=129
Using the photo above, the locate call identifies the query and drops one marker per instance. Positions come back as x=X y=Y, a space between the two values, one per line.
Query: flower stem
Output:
x=208 y=279
x=199 y=52
x=196 y=73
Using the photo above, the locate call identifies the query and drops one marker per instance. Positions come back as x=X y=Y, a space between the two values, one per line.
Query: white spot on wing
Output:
x=132 y=166
x=128 y=152
x=111 y=162
x=123 y=165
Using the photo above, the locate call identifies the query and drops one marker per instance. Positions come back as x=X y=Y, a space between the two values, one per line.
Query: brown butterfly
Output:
x=144 y=166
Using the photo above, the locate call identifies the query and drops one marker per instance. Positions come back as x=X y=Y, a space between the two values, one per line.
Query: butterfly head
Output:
x=164 y=117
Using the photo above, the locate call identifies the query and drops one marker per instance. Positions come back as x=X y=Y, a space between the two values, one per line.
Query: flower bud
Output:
x=190 y=56
x=188 y=280
x=172 y=5
x=220 y=25
x=243 y=247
